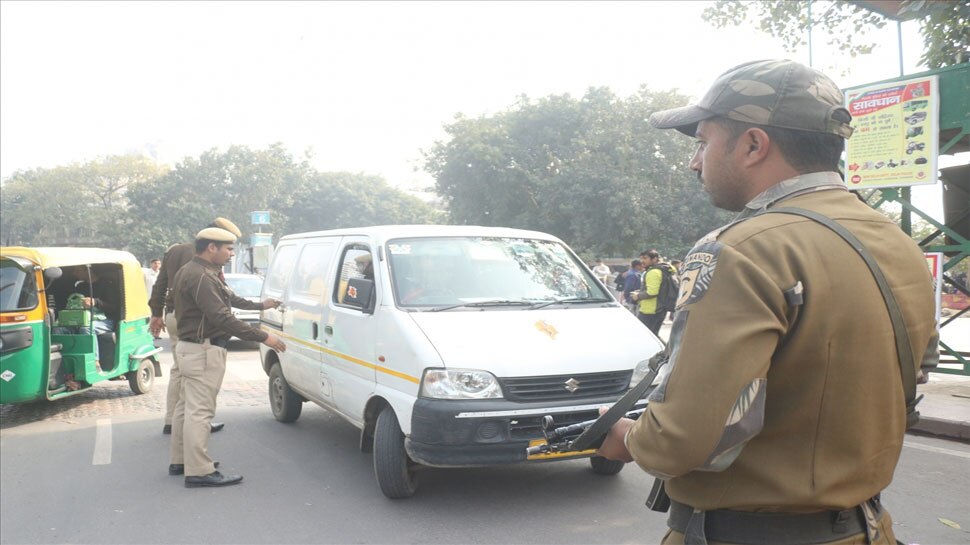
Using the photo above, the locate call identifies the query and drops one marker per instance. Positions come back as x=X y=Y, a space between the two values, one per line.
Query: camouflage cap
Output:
x=776 y=93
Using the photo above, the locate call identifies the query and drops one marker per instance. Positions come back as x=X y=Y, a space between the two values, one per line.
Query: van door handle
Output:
x=316 y=330
x=328 y=330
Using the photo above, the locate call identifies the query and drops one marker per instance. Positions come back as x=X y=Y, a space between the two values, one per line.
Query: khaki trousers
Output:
x=174 y=378
x=886 y=536
x=202 y=368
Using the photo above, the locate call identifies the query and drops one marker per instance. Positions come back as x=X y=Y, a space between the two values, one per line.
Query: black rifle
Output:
x=561 y=439
x=590 y=434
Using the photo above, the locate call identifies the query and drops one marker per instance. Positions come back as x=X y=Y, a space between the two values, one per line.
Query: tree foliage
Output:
x=76 y=204
x=239 y=180
x=943 y=24
x=130 y=203
x=590 y=171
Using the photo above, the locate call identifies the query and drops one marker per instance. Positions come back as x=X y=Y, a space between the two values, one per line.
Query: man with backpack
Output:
x=658 y=294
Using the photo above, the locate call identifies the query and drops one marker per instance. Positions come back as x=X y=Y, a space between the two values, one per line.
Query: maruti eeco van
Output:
x=446 y=345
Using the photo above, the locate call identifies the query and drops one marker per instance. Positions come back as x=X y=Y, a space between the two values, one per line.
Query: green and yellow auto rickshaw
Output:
x=55 y=339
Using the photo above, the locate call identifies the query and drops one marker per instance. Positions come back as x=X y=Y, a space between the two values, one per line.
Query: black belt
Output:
x=221 y=342
x=750 y=528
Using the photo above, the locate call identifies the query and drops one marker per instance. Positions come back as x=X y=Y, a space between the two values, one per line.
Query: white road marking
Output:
x=937 y=450
x=102 y=443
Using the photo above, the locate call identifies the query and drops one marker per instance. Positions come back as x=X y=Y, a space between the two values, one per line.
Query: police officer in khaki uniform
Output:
x=162 y=304
x=205 y=324
x=780 y=412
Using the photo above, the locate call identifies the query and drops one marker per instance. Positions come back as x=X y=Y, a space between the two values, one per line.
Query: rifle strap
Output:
x=602 y=425
x=907 y=362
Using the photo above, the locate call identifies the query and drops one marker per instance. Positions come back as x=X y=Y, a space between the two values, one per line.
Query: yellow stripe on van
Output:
x=342 y=356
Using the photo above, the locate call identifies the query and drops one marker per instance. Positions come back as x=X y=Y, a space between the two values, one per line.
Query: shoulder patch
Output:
x=698 y=269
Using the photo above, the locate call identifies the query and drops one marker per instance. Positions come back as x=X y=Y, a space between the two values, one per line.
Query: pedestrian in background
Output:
x=631 y=283
x=772 y=422
x=151 y=274
x=602 y=271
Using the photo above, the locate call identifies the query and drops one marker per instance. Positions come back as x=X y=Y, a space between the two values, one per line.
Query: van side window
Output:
x=356 y=263
x=279 y=271
x=312 y=268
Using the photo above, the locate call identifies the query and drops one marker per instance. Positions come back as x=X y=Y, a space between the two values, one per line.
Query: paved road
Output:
x=92 y=469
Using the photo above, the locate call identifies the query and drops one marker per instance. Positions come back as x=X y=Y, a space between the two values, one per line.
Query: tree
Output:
x=230 y=183
x=240 y=180
x=943 y=24
x=590 y=171
x=80 y=204
x=332 y=200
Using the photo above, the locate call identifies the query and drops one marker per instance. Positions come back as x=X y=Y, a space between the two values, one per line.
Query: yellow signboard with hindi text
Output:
x=895 y=140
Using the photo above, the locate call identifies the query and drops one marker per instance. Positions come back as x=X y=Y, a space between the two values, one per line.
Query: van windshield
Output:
x=18 y=291
x=487 y=272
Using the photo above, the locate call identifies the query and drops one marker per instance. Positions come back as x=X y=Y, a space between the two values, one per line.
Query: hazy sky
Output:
x=366 y=85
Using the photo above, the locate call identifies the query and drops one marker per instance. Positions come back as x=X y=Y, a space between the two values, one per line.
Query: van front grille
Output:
x=557 y=387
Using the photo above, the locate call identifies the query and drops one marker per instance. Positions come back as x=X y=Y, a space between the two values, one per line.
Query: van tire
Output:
x=603 y=466
x=141 y=379
x=391 y=463
x=286 y=404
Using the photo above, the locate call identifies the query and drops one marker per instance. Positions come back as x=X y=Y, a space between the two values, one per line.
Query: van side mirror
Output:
x=360 y=294
x=53 y=273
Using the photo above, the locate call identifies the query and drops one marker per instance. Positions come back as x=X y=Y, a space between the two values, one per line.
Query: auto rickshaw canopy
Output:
x=132 y=278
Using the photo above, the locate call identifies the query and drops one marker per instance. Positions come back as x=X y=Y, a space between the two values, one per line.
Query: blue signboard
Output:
x=261 y=239
x=259 y=217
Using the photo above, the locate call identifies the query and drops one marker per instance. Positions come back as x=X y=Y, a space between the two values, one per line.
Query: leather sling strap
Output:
x=594 y=434
x=907 y=362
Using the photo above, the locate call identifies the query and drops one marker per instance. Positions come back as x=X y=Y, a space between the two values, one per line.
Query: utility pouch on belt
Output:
x=658 y=500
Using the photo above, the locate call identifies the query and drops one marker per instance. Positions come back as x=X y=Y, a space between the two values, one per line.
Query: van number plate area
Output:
x=556 y=455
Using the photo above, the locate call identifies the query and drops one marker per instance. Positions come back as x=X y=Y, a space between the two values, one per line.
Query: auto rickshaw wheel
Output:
x=142 y=379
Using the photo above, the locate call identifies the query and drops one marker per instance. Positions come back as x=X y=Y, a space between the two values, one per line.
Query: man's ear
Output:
x=755 y=144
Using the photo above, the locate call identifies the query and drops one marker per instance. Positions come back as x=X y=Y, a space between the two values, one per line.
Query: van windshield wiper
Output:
x=571 y=300
x=483 y=304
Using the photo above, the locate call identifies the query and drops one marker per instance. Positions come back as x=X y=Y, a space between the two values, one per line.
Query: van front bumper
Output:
x=452 y=433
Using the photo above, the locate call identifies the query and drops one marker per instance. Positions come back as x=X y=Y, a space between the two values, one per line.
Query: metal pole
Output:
x=899 y=40
x=810 y=33
x=906 y=193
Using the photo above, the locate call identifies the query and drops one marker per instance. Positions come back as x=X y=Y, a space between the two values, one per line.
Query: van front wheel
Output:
x=286 y=403
x=393 y=468
x=603 y=466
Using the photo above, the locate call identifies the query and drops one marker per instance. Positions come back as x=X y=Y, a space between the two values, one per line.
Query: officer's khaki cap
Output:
x=215 y=234
x=775 y=93
x=223 y=223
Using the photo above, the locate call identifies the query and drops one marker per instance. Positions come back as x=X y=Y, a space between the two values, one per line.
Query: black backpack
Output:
x=669 y=288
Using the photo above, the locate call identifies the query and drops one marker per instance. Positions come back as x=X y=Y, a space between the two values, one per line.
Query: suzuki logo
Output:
x=572 y=385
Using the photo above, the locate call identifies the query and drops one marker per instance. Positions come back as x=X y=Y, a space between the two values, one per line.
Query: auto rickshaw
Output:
x=49 y=347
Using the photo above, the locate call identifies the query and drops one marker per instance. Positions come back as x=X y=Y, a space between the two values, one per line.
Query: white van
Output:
x=446 y=345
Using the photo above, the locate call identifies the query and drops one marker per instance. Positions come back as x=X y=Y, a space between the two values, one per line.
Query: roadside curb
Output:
x=942 y=427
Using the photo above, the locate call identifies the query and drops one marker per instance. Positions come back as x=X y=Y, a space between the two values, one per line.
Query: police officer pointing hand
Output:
x=205 y=324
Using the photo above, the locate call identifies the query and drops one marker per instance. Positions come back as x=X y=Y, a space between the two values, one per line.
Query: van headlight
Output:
x=459 y=384
x=639 y=372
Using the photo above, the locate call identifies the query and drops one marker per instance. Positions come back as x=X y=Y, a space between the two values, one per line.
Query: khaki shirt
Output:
x=202 y=305
x=161 y=296
x=768 y=404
